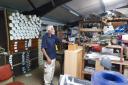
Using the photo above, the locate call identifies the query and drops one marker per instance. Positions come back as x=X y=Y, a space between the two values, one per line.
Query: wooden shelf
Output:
x=108 y=46
x=88 y=44
x=120 y=63
x=90 y=30
x=114 y=62
x=84 y=72
x=118 y=20
x=114 y=46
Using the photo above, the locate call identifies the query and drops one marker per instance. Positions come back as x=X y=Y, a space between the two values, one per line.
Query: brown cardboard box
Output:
x=72 y=46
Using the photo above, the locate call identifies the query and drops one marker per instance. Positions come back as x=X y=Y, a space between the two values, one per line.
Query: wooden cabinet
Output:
x=73 y=62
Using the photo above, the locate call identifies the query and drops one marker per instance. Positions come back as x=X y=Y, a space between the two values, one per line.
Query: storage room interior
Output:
x=63 y=42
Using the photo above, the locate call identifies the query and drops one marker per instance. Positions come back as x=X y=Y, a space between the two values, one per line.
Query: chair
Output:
x=6 y=76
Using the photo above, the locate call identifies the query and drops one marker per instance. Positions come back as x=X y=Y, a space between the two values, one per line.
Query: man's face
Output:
x=51 y=31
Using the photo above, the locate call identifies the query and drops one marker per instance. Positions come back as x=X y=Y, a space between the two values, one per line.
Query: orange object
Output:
x=72 y=46
x=97 y=47
x=6 y=73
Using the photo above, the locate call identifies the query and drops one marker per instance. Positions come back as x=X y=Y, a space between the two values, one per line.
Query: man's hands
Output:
x=64 y=41
x=49 y=61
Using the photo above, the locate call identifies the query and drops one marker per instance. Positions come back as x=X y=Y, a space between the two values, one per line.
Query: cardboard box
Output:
x=72 y=46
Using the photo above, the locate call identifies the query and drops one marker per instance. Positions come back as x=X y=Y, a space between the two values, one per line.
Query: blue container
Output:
x=122 y=28
x=108 y=78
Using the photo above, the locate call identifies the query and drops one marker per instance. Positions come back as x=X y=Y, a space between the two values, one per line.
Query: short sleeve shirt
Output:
x=48 y=43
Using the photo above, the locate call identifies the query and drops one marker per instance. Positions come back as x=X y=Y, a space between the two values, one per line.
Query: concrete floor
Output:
x=36 y=77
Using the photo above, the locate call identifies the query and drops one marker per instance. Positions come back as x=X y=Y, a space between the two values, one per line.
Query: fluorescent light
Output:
x=73 y=12
x=109 y=1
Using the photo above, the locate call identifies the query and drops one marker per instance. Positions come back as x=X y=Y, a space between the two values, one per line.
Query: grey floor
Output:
x=36 y=76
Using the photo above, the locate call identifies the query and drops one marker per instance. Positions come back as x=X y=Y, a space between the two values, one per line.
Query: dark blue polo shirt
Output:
x=48 y=43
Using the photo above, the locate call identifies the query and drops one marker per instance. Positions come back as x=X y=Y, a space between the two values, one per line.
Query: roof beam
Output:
x=53 y=3
x=126 y=6
x=103 y=5
x=70 y=9
x=31 y=3
x=44 y=9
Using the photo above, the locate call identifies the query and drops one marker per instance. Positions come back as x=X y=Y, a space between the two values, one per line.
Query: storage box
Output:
x=72 y=46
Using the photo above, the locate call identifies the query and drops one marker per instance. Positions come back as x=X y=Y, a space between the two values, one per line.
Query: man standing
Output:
x=49 y=41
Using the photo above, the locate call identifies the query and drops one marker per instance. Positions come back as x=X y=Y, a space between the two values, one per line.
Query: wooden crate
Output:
x=73 y=62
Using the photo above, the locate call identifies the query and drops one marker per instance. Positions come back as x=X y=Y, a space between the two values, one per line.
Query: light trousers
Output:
x=49 y=72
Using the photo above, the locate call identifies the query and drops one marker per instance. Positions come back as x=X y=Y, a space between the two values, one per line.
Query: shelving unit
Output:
x=99 y=30
x=16 y=47
x=81 y=23
x=118 y=21
x=121 y=54
x=121 y=63
x=96 y=26
x=97 y=67
x=85 y=29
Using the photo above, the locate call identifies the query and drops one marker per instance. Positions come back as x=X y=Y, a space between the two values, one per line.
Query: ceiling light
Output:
x=73 y=12
x=109 y=1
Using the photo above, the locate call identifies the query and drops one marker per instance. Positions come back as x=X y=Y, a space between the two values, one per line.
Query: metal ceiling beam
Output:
x=70 y=9
x=126 y=6
x=44 y=9
x=102 y=5
x=31 y=3
x=53 y=3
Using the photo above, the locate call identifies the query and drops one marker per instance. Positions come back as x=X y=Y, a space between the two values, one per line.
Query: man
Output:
x=49 y=41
